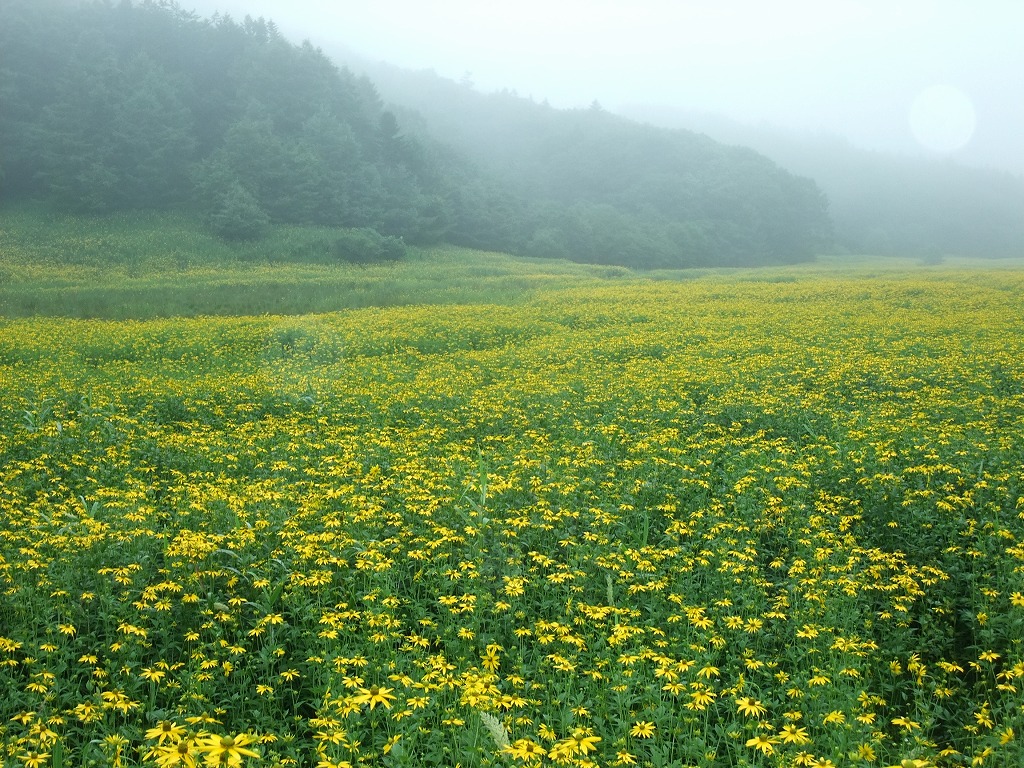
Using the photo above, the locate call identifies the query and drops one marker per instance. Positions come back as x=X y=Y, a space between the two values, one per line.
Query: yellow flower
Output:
x=984 y=717
x=866 y=752
x=390 y=743
x=87 y=712
x=526 y=750
x=375 y=695
x=907 y=723
x=166 y=731
x=791 y=734
x=580 y=743
x=492 y=660
x=642 y=730
x=700 y=699
x=587 y=743
x=763 y=743
x=153 y=675
x=978 y=759
x=750 y=707
x=182 y=753
x=116 y=740
x=230 y=750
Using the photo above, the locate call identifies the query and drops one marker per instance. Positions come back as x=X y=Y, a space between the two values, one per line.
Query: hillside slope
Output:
x=147 y=106
x=880 y=202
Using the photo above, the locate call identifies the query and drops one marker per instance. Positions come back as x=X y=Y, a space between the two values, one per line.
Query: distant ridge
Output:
x=880 y=202
x=719 y=204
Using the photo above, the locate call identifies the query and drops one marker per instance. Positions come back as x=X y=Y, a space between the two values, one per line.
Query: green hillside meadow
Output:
x=259 y=508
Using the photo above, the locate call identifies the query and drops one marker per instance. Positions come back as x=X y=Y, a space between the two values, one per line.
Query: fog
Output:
x=934 y=77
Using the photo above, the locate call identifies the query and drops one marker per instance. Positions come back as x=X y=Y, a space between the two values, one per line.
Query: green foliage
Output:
x=888 y=204
x=145 y=265
x=600 y=188
x=239 y=215
x=116 y=134
x=367 y=246
x=146 y=105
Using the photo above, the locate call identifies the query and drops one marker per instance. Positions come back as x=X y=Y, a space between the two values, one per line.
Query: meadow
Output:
x=757 y=518
x=145 y=265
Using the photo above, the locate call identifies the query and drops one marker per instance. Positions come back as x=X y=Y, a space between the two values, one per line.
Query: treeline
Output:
x=611 y=185
x=883 y=203
x=144 y=105
x=108 y=108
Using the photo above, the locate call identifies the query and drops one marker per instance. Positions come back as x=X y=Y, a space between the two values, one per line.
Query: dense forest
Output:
x=635 y=187
x=883 y=203
x=112 y=107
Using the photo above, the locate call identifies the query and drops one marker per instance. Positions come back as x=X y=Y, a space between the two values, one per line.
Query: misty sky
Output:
x=944 y=77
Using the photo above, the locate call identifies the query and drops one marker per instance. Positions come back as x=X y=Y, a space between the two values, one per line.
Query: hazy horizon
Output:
x=942 y=79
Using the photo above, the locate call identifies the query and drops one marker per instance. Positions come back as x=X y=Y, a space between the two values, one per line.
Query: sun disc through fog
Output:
x=942 y=118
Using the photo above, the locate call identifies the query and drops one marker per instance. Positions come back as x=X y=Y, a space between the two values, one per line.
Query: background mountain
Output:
x=609 y=184
x=880 y=202
x=112 y=108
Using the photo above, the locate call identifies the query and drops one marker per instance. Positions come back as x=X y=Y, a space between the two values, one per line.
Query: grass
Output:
x=157 y=265
x=148 y=265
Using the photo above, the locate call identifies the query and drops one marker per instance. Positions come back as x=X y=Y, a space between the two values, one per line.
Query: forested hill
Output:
x=143 y=105
x=884 y=203
x=616 y=181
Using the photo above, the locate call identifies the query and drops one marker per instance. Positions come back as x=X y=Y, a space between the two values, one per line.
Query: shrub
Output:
x=368 y=246
x=239 y=216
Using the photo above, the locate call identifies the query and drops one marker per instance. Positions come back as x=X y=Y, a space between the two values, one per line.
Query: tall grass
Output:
x=145 y=265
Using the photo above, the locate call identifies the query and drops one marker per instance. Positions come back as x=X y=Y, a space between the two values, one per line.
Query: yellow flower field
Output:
x=722 y=522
